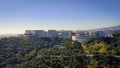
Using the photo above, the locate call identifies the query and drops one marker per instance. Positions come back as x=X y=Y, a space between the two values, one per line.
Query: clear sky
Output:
x=19 y=15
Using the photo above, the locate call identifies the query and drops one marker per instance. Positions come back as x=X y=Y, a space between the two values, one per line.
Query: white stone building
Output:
x=29 y=33
x=82 y=36
x=52 y=34
x=40 y=33
x=66 y=34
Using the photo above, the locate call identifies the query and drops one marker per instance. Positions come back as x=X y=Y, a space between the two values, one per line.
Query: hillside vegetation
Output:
x=23 y=52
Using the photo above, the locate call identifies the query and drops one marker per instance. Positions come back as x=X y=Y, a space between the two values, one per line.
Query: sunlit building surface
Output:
x=34 y=33
x=82 y=36
x=74 y=38
x=29 y=33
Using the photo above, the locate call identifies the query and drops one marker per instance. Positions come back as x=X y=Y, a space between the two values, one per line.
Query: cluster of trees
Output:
x=23 y=52
x=107 y=45
x=16 y=50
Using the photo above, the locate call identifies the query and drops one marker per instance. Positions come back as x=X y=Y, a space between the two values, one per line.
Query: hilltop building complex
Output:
x=80 y=36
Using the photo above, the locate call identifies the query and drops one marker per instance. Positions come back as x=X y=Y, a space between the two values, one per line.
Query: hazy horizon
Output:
x=54 y=29
x=16 y=16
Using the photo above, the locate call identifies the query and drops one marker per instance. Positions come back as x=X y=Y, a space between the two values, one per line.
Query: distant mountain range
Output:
x=112 y=28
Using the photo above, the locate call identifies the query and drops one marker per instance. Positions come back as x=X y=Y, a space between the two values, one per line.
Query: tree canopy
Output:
x=24 y=52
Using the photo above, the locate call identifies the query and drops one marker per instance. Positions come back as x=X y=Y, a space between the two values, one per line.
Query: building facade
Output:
x=82 y=36
x=29 y=33
x=66 y=34
x=52 y=34
x=99 y=34
x=40 y=33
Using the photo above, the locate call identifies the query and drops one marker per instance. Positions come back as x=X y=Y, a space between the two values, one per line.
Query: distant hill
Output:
x=8 y=35
x=112 y=28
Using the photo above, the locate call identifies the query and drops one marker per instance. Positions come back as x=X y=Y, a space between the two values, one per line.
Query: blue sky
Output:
x=19 y=15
